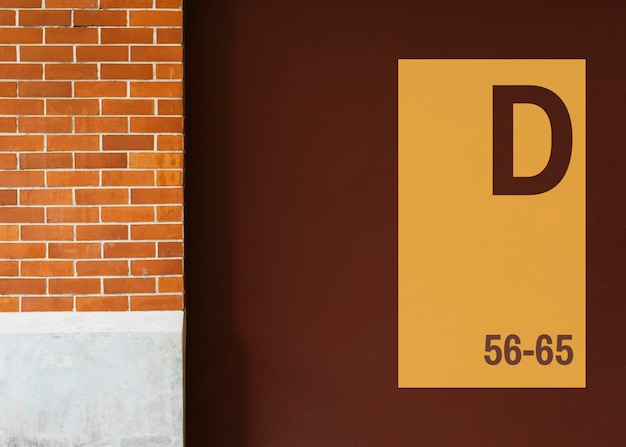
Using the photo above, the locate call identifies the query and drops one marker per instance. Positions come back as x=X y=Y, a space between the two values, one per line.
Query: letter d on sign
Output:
x=504 y=97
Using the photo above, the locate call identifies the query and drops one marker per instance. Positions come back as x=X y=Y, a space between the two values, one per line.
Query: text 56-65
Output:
x=544 y=351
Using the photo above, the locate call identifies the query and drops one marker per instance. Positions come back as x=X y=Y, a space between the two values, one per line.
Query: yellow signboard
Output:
x=491 y=244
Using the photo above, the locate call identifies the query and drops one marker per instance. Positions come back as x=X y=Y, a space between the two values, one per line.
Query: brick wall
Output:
x=91 y=155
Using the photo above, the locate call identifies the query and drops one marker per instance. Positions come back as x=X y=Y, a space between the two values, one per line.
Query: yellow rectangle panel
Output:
x=484 y=275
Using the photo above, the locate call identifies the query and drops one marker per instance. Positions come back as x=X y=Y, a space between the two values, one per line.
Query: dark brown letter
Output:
x=504 y=96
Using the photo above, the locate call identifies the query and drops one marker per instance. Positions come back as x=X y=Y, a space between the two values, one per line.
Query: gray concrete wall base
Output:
x=105 y=379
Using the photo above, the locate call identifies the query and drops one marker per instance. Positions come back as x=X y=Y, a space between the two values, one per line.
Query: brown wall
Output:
x=292 y=233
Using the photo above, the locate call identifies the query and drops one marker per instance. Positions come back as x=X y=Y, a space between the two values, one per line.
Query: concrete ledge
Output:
x=97 y=379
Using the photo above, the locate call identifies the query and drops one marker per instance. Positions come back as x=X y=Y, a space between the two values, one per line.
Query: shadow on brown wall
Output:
x=215 y=367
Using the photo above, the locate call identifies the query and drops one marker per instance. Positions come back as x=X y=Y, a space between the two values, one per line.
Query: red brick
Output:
x=157 y=89
x=71 y=71
x=73 y=178
x=100 y=53
x=174 y=4
x=72 y=214
x=21 y=214
x=21 y=71
x=21 y=143
x=20 y=3
x=156 y=53
x=71 y=3
x=7 y=18
x=127 y=142
x=101 y=196
x=156 y=195
x=72 y=142
x=169 y=213
x=22 y=286
x=9 y=232
x=156 y=267
x=170 y=249
x=170 y=284
x=101 y=303
x=156 y=160
x=129 y=249
x=156 y=231
x=47 y=304
x=169 y=178
x=127 y=35
x=169 y=71
x=72 y=107
x=46 y=196
x=102 y=268
x=71 y=250
x=8 y=54
x=8 y=161
x=156 y=124
x=156 y=302
x=96 y=161
x=9 y=304
x=45 y=18
x=170 y=107
x=128 y=214
x=127 y=107
x=45 y=89
x=101 y=232
x=129 y=285
x=47 y=53
x=8 y=89
x=170 y=142
x=127 y=178
x=45 y=161
x=21 y=106
x=8 y=125
x=126 y=71
x=156 y=18
x=126 y=4
x=9 y=268
x=170 y=35
x=47 y=268
x=71 y=35
x=101 y=124
x=77 y=286
x=22 y=250
x=45 y=125
x=100 y=89
x=21 y=35
x=8 y=197
x=21 y=178
x=99 y=18
x=47 y=232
